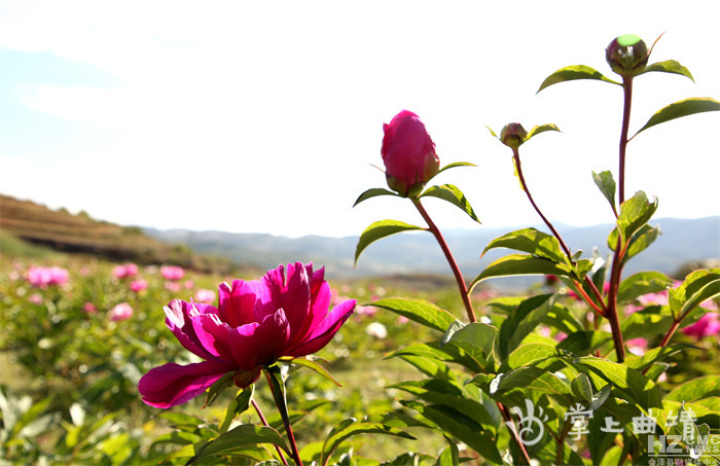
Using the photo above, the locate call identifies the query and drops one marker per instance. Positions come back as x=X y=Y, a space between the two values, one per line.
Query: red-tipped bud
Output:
x=513 y=135
x=627 y=55
x=409 y=154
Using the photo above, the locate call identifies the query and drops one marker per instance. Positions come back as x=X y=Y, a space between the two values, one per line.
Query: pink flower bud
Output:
x=409 y=154
x=627 y=55
x=138 y=285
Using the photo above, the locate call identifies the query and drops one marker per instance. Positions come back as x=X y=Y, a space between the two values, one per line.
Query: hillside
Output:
x=682 y=241
x=63 y=231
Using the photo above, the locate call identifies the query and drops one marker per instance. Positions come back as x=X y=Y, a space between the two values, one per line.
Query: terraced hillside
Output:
x=63 y=231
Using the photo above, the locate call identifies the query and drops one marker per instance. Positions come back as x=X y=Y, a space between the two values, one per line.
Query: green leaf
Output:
x=668 y=66
x=698 y=287
x=455 y=165
x=605 y=181
x=379 y=230
x=515 y=328
x=454 y=196
x=529 y=355
x=638 y=388
x=634 y=214
x=314 y=365
x=352 y=429
x=541 y=129
x=642 y=283
x=680 y=109
x=532 y=241
x=582 y=388
x=584 y=342
x=224 y=382
x=641 y=240
x=697 y=389
x=653 y=320
x=570 y=73
x=461 y=427
x=533 y=380
x=477 y=340
x=449 y=456
x=374 y=192
x=418 y=310
x=237 y=439
x=521 y=264
x=239 y=405
x=428 y=359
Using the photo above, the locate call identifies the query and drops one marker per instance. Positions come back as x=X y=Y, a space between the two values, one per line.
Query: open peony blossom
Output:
x=255 y=324
x=43 y=277
x=408 y=153
x=172 y=272
x=125 y=271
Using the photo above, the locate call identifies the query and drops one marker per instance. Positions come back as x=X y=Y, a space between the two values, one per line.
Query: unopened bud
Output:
x=627 y=55
x=513 y=135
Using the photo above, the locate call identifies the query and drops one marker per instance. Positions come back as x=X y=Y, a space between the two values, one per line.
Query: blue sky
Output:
x=266 y=116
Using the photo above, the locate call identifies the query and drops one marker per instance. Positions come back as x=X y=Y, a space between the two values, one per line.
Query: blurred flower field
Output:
x=78 y=333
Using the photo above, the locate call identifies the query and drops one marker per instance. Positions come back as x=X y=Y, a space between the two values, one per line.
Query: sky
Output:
x=266 y=116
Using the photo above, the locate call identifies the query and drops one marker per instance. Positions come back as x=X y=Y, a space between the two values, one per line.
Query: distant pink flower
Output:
x=205 y=296
x=707 y=325
x=173 y=286
x=402 y=320
x=42 y=277
x=659 y=299
x=35 y=298
x=122 y=311
x=138 y=285
x=189 y=284
x=90 y=308
x=255 y=324
x=637 y=346
x=172 y=272
x=366 y=311
x=125 y=271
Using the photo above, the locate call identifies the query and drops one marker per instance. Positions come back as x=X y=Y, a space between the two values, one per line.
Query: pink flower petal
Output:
x=172 y=384
x=323 y=333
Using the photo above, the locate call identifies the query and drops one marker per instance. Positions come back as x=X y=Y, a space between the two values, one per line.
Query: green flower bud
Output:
x=513 y=135
x=627 y=55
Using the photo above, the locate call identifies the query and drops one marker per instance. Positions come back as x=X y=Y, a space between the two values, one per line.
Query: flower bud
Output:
x=627 y=55
x=409 y=154
x=513 y=135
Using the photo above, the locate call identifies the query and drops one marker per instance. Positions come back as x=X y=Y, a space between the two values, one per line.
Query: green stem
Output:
x=265 y=423
x=451 y=260
x=277 y=387
x=565 y=248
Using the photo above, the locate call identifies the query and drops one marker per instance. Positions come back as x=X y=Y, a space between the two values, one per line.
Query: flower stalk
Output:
x=274 y=377
x=462 y=286
x=265 y=423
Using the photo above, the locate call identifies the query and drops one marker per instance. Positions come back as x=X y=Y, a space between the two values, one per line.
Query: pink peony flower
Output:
x=172 y=272
x=189 y=284
x=125 y=271
x=35 y=298
x=707 y=325
x=205 y=296
x=122 y=311
x=89 y=308
x=138 y=285
x=256 y=323
x=408 y=153
x=173 y=286
x=637 y=346
x=42 y=277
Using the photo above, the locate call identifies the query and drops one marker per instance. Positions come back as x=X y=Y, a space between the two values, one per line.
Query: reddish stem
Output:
x=451 y=260
x=265 y=423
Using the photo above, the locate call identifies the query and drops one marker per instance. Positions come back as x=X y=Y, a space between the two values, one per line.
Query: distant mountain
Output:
x=682 y=241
